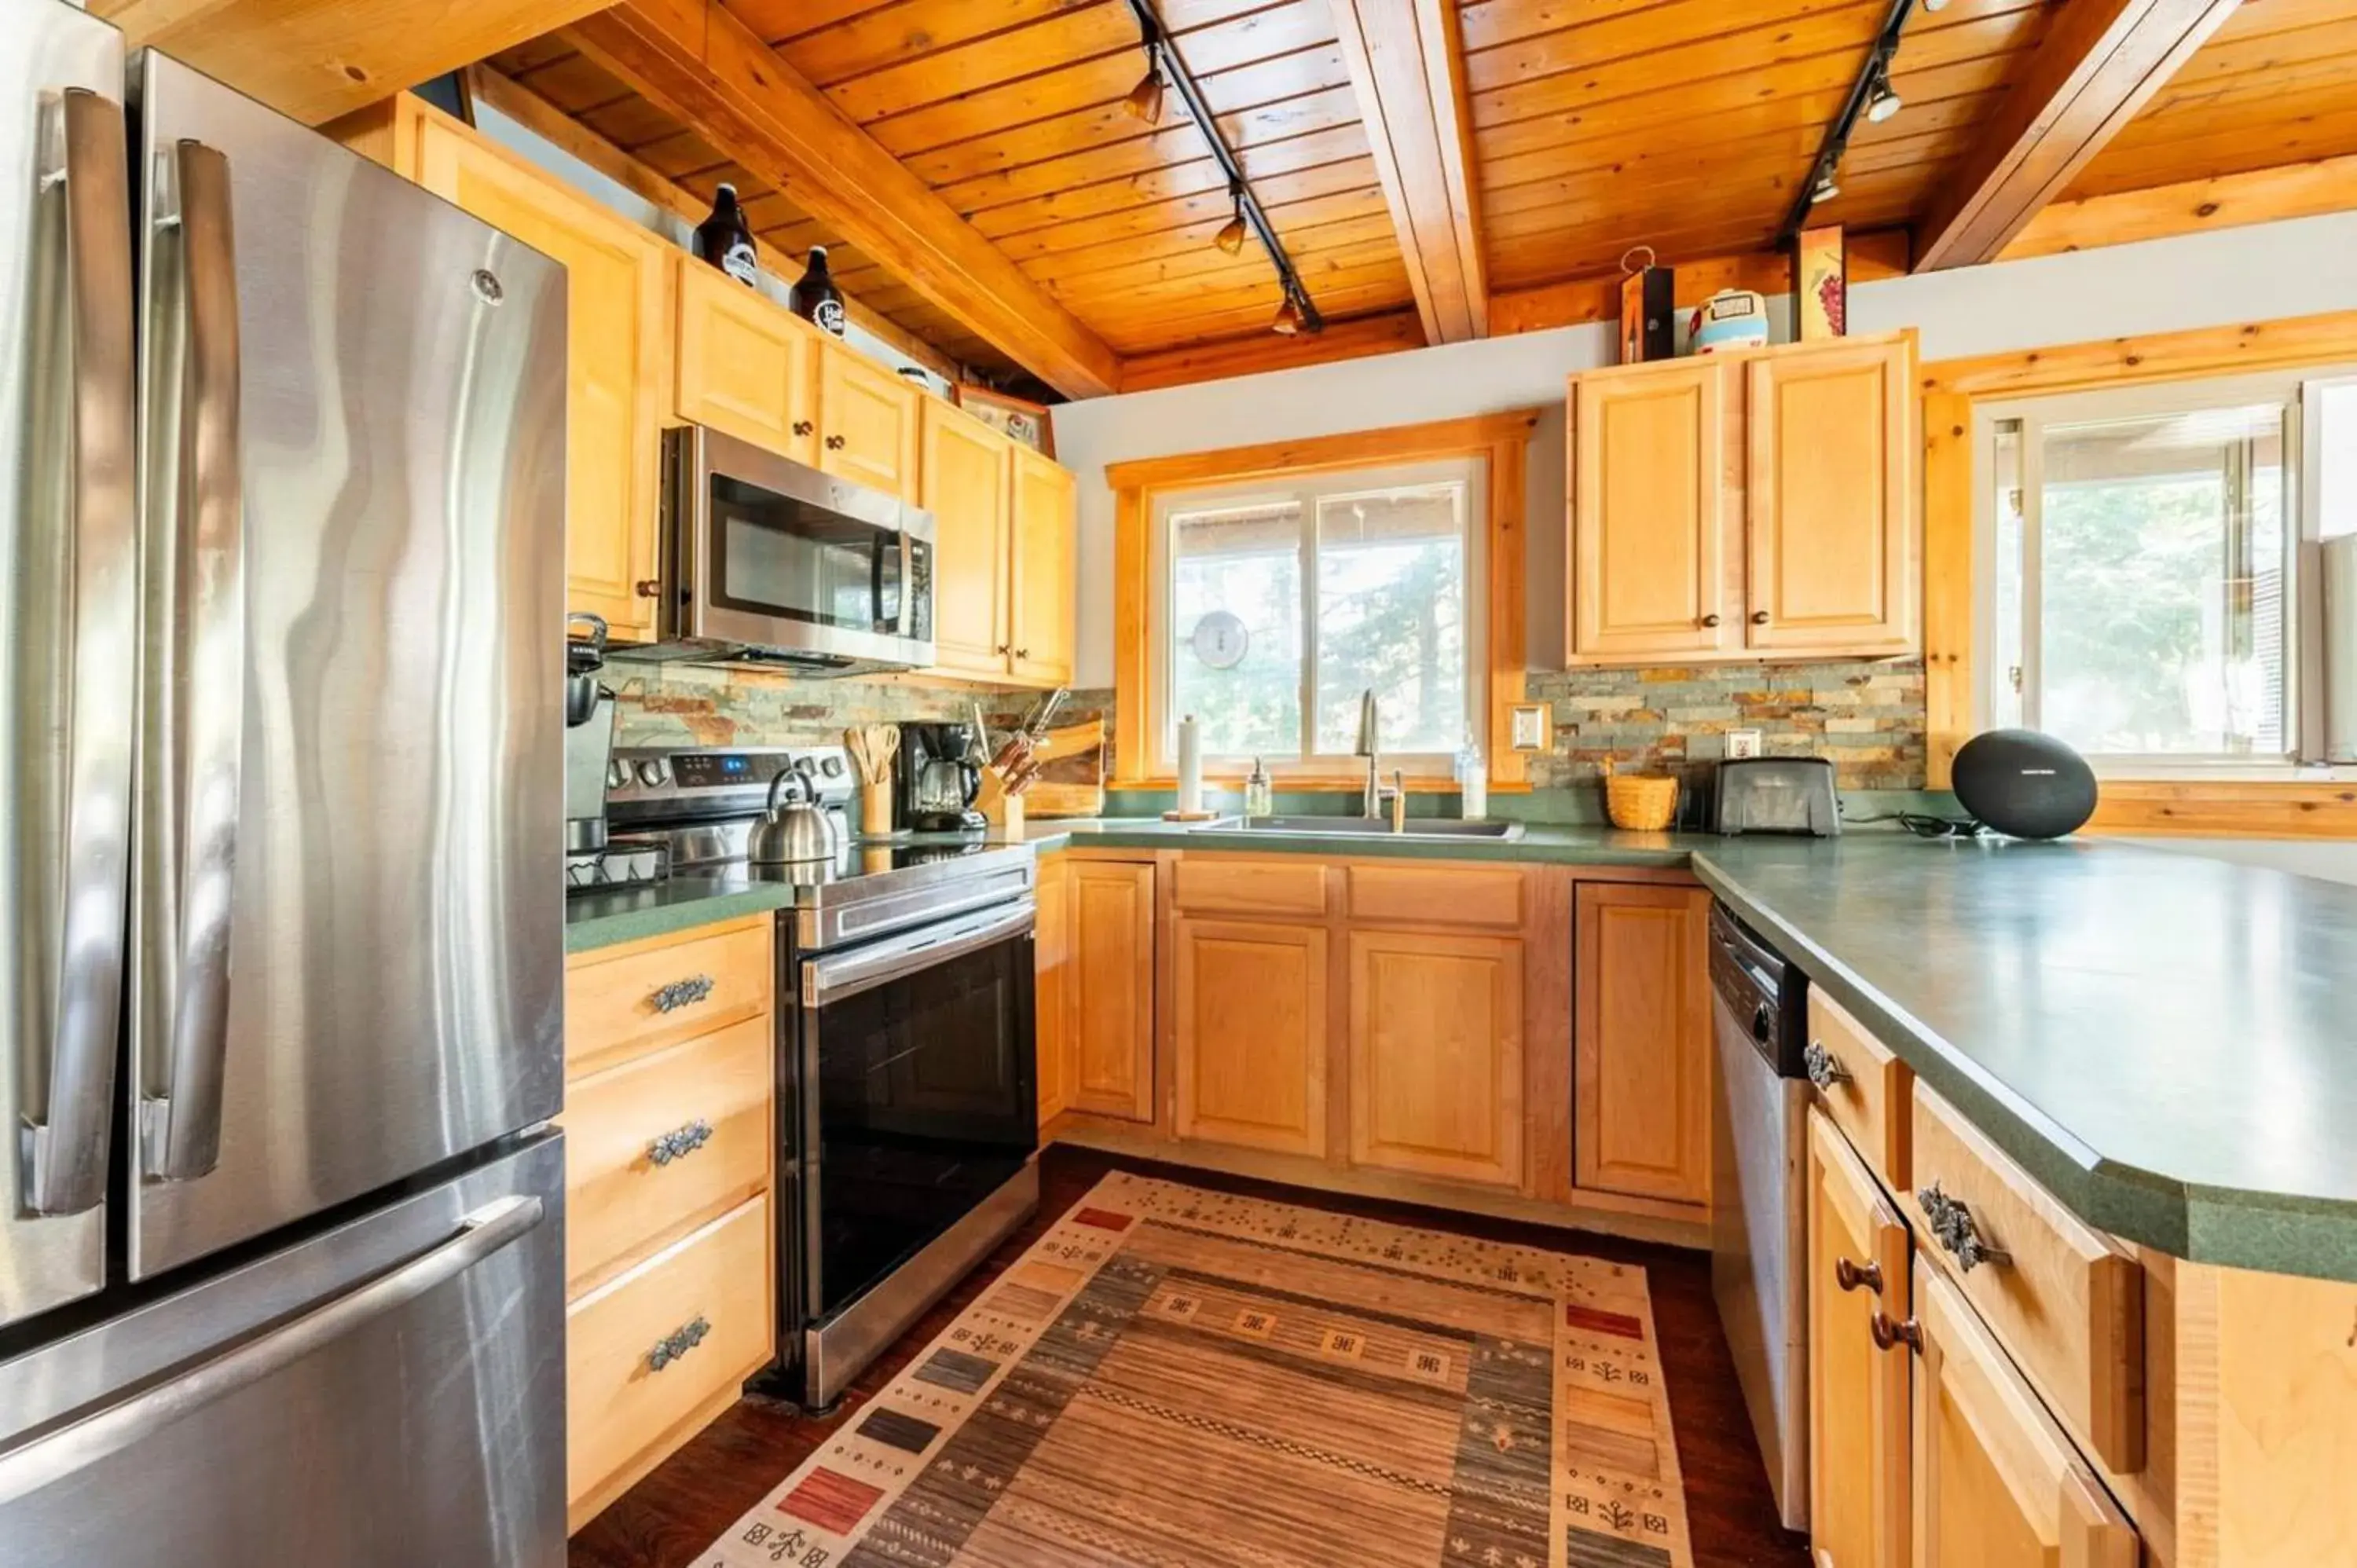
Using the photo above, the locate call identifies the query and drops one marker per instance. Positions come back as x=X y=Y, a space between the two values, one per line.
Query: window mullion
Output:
x=2033 y=572
x=1307 y=677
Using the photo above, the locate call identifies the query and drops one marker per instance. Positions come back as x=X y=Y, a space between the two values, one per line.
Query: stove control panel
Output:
x=689 y=781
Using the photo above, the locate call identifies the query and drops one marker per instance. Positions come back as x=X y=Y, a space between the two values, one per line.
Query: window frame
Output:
x=1497 y=444
x=1306 y=491
x=2302 y=631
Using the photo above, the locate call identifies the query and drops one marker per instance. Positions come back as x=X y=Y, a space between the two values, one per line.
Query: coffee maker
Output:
x=936 y=776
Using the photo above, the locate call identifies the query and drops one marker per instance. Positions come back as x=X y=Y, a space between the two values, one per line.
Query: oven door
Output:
x=920 y=1095
x=777 y=557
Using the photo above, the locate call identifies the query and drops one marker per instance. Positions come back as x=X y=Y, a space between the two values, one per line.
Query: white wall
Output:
x=2298 y=268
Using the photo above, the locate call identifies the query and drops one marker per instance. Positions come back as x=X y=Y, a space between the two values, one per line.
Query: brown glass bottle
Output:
x=726 y=239
x=816 y=298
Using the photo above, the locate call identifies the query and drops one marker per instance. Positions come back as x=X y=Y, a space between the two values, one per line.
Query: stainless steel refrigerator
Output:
x=281 y=592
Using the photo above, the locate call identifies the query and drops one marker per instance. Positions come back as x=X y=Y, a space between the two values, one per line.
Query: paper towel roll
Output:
x=1191 y=765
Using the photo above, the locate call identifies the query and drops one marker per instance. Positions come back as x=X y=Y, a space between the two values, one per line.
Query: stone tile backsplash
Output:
x=691 y=705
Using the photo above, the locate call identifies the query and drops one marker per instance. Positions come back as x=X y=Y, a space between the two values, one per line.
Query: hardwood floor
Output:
x=667 y=1519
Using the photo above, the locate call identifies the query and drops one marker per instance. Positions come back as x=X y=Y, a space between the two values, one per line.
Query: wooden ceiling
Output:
x=1437 y=168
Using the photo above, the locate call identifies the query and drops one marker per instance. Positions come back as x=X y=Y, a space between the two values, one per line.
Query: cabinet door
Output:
x=966 y=486
x=1248 y=1035
x=1052 y=979
x=1648 y=550
x=1857 y=1390
x=1045 y=588
x=746 y=365
x=868 y=422
x=1831 y=524
x=1437 y=1055
x=619 y=279
x=1113 y=989
x=1996 y=1484
x=1642 y=1054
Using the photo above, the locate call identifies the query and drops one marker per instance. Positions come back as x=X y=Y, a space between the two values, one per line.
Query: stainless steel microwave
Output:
x=769 y=561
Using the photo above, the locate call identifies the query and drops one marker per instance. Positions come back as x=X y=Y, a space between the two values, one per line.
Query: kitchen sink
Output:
x=1361 y=827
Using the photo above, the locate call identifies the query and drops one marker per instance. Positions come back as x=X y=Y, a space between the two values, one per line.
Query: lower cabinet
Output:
x=669 y=1164
x=1640 y=1042
x=1858 y=1442
x=1110 y=1015
x=1052 y=986
x=1249 y=1025
x=1437 y=1054
x=1997 y=1485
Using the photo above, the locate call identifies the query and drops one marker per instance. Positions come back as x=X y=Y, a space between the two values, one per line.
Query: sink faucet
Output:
x=1372 y=807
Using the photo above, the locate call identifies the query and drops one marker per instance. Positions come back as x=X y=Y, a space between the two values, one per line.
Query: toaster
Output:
x=1776 y=795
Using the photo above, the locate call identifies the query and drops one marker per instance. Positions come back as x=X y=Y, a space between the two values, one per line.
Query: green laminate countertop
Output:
x=2168 y=1042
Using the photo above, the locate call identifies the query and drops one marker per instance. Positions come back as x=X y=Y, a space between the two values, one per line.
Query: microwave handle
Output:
x=908 y=579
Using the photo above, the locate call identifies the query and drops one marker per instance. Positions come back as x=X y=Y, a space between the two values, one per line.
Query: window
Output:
x=1282 y=605
x=2144 y=552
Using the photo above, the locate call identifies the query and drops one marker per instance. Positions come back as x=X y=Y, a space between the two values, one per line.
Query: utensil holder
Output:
x=874 y=812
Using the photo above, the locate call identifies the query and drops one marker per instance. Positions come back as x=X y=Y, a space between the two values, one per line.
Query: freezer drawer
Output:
x=388 y=1395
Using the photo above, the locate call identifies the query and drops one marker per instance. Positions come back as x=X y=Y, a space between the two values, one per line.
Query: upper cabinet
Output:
x=618 y=281
x=969 y=487
x=1045 y=597
x=867 y=422
x=745 y=367
x=1745 y=505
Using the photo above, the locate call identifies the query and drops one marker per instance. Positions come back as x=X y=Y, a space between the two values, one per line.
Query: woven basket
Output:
x=1639 y=803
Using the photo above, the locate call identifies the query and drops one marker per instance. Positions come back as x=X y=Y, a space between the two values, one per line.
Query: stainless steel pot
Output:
x=796 y=831
x=584 y=656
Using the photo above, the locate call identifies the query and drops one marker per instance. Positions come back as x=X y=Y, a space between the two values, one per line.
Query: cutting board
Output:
x=1071 y=780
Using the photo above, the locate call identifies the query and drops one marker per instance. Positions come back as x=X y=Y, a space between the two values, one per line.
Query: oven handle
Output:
x=826 y=980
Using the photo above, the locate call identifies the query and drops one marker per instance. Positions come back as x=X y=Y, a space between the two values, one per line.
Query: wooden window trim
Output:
x=1499 y=441
x=1951 y=390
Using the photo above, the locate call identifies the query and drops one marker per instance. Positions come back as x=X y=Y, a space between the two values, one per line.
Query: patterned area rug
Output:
x=1173 y=1377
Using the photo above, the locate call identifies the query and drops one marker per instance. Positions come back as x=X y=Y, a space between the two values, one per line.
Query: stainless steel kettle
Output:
x=796 y=831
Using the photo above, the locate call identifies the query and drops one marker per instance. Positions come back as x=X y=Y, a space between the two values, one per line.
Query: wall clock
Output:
x=1220 y=640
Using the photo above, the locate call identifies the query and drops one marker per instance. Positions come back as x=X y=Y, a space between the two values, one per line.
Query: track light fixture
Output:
x=1871 y=97
x=1288 y=318
x=1883 y=99
x=1826 y=190
x=1145 y=100
x=1231 y=237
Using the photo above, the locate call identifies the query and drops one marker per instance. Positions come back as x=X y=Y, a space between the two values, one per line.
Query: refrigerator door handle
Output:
x=181 y=1127
x=65 y=1153
x=76 y=1446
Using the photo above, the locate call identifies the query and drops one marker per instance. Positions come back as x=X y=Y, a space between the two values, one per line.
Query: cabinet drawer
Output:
x=662 y=1143
x=2066 y=1302
x=622 y=1001
x=1867 y=1091
x=1289 y=885
x=636 y=1368
x=1438 y=896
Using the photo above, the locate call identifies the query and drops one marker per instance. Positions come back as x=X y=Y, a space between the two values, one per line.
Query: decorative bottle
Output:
x=816 y=298
x=726 y=238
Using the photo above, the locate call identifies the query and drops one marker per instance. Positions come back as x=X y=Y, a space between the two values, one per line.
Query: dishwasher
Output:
x=1758 y=1244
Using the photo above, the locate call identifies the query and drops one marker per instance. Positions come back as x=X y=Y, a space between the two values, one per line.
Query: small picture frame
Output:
x=1013 y=417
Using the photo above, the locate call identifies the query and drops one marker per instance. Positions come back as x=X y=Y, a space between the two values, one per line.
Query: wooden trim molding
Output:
x=1499 y=440
x=1951 y=390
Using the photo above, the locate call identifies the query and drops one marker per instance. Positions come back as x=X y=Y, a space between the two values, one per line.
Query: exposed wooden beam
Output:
x=2229 y=202
x=1406 y=61
x=315 y=59
x=1265 y=350
x=552 y=125
x=2100 y=61
x=700 y=64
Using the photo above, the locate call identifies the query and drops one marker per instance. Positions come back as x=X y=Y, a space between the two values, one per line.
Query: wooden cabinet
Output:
x=1996 y=1484
x=1249 y=1021
x=1746 y=504
x=1640 y=1046
x=1052 y=987
x=1111 y=1008
x=1437 y=1054
x=1044 y=599
x=968 y=471
x=1828 y=524
x=868 y=422
x=747 y=367
x=619 y=336
x=1648 y=513
x=670 y=1056
x=1857 y=1400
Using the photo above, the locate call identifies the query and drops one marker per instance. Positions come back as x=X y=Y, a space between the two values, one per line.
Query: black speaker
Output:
x=2023 y=783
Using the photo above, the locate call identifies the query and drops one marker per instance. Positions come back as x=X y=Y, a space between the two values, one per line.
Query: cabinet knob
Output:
x=1854 y=1276
x=1005 y=648
x=803 y=427
x=1022 y=654
x=648 y=588
x=1759 y=617
x=1824 y=1068
x=834 y=442
x=1888 y=1334
x=1710 y=620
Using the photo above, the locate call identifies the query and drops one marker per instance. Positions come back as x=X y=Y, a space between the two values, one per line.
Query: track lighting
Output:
x=1827 y=187
x=1231 y=237
x=1288 y=317
x=1883 y=102
x=1145 y=100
